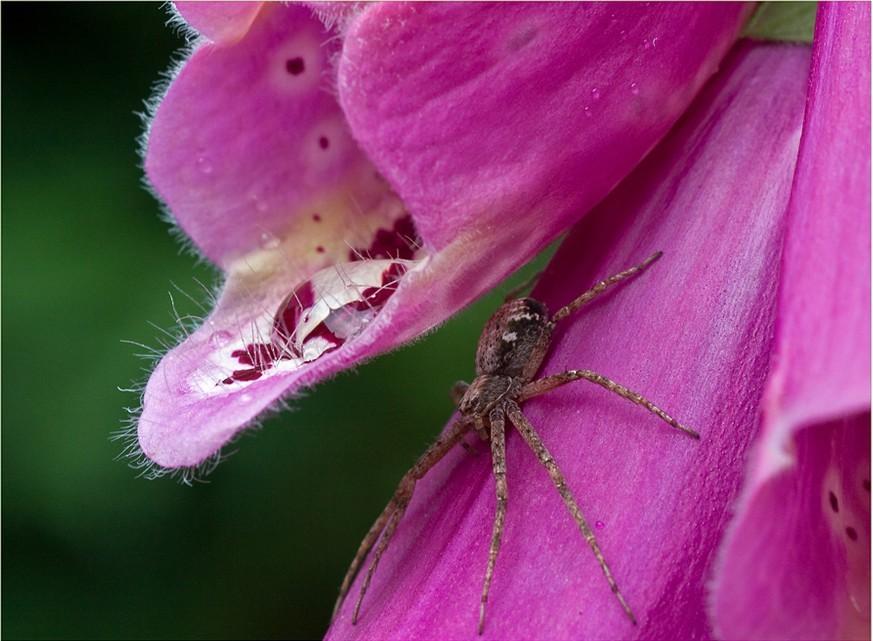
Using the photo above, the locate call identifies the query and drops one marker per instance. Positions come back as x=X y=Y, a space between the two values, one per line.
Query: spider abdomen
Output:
x=515 y=340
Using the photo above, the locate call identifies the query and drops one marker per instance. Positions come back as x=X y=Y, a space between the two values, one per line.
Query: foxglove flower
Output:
x=464 y=138
x=348 y=225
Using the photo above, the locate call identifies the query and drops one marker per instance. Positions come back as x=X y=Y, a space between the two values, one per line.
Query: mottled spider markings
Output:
x=513 y=345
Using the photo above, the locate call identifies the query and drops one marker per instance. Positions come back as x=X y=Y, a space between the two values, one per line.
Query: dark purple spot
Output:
x=852 y=533
x=866 y=485
x=295 y=66
x=835 y=504
x=247 y=374
x=400 y=242
x=323 y=142
x=376 y=297
x=260 y=357
x=316 y=217
x=319 y=249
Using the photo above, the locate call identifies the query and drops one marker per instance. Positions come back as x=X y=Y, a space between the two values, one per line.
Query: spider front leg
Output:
x=457 y=393
x=602 y=286
x=387 y=522
x=547 y=383
x=536 y=444
x=498 y=463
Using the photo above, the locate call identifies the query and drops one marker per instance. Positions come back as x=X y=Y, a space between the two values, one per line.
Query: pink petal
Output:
x=481 y=114
x=248 y=143
x=796 y=563
x=802 y=575
x=693 y=334
x=219 y=21
x=236 y=151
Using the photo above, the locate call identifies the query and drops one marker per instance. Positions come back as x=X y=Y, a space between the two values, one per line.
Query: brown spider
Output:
x=512 y=347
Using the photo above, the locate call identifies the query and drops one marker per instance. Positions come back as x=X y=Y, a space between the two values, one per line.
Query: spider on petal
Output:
x=512 y=347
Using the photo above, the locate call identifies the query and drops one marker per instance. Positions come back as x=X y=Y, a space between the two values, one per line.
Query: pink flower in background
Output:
x=464 y=139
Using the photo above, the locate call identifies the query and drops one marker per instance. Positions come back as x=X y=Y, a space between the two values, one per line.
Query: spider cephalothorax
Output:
x=513 y=345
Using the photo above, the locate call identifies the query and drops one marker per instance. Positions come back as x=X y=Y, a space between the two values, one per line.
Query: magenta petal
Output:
x=797 y=562
x=800 y=572
x=219 y=21
x=248 y=143
x=478 y=114
x=693 y=333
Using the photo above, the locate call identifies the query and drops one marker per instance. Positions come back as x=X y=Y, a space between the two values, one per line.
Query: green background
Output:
x=90 y=550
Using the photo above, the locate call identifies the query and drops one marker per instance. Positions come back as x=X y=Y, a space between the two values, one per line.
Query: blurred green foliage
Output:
x=89 y=549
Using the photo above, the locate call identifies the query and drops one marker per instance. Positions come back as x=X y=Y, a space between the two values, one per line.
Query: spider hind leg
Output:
x=498 y=464
x=386 y=524
x=529 y=434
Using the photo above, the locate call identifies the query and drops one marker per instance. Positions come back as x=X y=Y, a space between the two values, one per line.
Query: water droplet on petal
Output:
x=587 y=111
x=269 y=241
x=599 y=525
x=204 y=165
x=635 y=88
x=595 y=93
x=220 y=338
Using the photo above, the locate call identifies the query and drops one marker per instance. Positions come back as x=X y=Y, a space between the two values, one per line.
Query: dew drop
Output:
x=587 y=111
x=204 y=165
x=599 y=525
x=595 y=93
x=634 y=88
x=654 y=41
x=219 y=338
x=269 y=241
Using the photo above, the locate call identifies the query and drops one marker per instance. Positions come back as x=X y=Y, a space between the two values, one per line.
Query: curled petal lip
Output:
x=262 y=168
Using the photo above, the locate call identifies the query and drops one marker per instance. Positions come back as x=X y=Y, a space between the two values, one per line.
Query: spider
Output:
x=512 y=347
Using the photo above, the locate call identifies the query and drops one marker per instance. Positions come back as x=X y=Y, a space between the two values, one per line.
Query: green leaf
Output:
x=782 y=22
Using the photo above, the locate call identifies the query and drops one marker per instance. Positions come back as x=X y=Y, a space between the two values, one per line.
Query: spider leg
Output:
x=602 y=286
x=457 y=392
x=498 y=462
x=361 y=554
x=387 y=522
x=535 y=388
x=536 y=444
